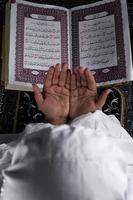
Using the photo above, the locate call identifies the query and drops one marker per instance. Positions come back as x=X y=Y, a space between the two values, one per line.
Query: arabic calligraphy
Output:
x=42 y=43
x=97 y=42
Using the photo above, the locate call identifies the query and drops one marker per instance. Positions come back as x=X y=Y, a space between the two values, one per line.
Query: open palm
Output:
x=54 y=100
x=83 y=95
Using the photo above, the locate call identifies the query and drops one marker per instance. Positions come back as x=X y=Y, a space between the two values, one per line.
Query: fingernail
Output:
x=86 y=69
x=51 y=68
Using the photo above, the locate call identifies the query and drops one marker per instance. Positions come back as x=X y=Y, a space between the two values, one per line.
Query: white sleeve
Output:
x=102 y=123
x=110 y=126
x=89 y=159
x=6 y=153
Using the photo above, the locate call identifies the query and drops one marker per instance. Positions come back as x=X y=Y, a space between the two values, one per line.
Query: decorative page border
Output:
x=115 y=72
x=130 y=15
x=23 y=11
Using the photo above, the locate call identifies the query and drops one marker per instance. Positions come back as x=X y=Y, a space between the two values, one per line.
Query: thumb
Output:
x=102 y=99
x=37 y=95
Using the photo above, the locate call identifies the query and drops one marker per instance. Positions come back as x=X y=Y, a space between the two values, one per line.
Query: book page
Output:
x=38 y=40
x=100 y=40
x=97 y=41
x=39 y=37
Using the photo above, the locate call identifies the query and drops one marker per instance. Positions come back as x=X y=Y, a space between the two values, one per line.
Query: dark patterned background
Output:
x=19 y=108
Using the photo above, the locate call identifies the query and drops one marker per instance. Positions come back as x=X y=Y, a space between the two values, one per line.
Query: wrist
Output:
x=56 y=121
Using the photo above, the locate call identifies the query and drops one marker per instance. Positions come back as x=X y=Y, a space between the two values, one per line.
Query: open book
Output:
x=38 y=36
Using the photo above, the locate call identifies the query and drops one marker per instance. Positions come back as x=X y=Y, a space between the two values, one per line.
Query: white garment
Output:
x=90 y=159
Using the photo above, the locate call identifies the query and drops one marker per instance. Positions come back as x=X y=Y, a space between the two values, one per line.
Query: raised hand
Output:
x=83 y=93
x=54 y=100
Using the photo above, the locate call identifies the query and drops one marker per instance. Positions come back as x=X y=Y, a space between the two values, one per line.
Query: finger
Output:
x=73 y=82
x=37 y=95
x=91 y=83
x=78 y=83
x=68 y=79
x=102 y=99
x=56 y=74
x=75 y=70
x=49 y=77
x=63 y=75
x=82 y=77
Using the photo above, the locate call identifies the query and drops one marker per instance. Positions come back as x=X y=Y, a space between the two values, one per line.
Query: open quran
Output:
x=37 y=36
